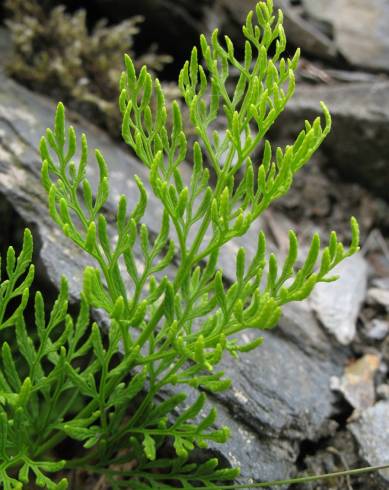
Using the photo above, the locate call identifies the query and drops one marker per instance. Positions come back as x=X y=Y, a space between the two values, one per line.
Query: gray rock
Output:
x=378 y=296
x=381 y=282
x=348 y=76
x=337 y=304
x=280 y=391
x=359 y=29
x=377 y=329
x=371 y=431
x=357 y=145
x=300 y=326
x=305 y=35
x=260 y=457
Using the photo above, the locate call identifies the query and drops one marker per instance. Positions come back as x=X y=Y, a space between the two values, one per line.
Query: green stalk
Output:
x=302 y=479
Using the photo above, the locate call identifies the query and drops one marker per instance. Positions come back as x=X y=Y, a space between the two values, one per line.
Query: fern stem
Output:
x=303 y=479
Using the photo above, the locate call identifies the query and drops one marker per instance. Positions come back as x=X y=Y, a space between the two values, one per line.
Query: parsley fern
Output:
x=168 y=326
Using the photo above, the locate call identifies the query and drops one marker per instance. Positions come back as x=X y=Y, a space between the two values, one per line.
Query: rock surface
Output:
x=378 y=329
x=372 y=433
x=359 y=29
x=337 y=304
x=279 y=390
x=357 y=145
x=304 y=34
x=379 y=296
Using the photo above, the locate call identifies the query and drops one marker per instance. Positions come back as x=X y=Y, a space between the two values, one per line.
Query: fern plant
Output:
x=171 y=318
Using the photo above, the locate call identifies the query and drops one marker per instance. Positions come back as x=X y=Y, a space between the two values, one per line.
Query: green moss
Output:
x=54 y=53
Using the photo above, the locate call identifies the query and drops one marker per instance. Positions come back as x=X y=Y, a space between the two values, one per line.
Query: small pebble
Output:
x=378 y=329
x=383 y=392
x=378 y=296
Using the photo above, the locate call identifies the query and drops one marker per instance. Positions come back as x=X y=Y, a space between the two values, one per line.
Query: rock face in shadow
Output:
x=281 y=392
x=175 y=25
x=358 y=143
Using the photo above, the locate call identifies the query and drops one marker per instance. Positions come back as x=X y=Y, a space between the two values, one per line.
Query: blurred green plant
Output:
x=123 y=395
x=54 y=52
